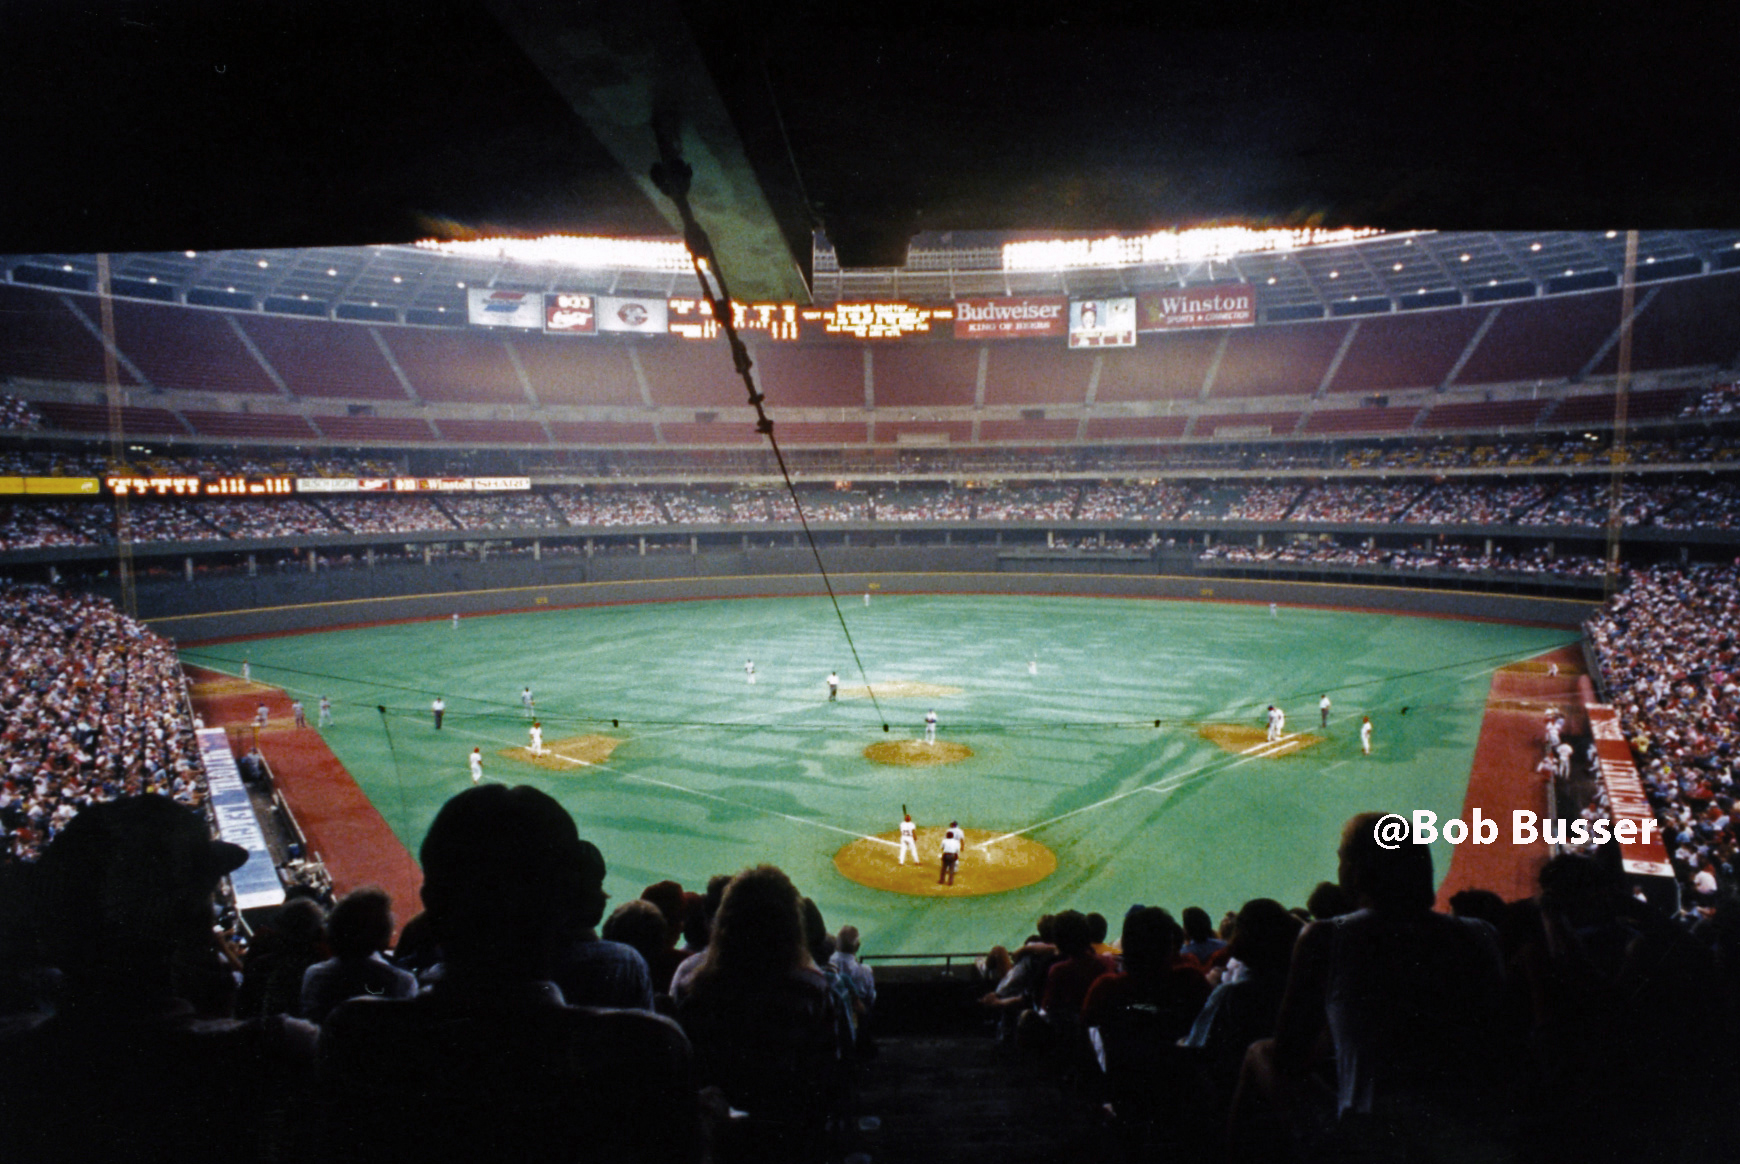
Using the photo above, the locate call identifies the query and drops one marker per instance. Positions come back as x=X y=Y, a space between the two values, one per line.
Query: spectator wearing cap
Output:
x=123 y=901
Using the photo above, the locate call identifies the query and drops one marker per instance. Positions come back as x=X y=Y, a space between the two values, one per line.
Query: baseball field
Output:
x=1099 y=752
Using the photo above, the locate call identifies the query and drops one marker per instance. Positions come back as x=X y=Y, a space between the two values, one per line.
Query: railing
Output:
x=947 y=960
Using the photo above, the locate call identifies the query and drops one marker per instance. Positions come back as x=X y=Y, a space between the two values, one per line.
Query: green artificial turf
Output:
x=715 y=774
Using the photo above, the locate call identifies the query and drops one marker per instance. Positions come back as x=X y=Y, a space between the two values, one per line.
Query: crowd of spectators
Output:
x=283 y=518
x=1682 y=502
x=1357 y=502
x=1722 y=400
x=1261 y=502
x=1365 y=1024
x=17 y=414
x=1038 y=503
x=1446 y=556
x=387 y=514
x=608 y=506
x=512 y=1015
x=1668 y=648
x=500 y=510
x=94 y=707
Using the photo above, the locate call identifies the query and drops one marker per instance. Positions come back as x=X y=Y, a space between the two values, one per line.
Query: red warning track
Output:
x=1503 y=777
x=337 y=818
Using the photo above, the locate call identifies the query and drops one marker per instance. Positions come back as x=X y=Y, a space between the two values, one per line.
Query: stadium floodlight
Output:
x=572 y=251
x=1185 y=246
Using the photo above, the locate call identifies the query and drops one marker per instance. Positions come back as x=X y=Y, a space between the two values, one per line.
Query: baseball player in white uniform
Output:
x=951 y=855
x=930 y=727
x=537 y=748
x=476 y=765
x=749 y=670
x=1365 y=736
x=1276 y=720
x=833 y=685
x=909 y=840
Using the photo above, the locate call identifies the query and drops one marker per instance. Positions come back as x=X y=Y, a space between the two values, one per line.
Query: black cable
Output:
x=398 y=776
x=672 y=176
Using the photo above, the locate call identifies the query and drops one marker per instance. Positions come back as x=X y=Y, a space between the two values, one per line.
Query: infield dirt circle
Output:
x=566 y=755
x=917 y=753
x=988 y=864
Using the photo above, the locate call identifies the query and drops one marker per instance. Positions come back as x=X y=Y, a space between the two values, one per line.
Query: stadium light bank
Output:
x=1170 y=247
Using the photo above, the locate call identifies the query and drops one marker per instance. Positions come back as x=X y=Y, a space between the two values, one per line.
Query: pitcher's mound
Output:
x=917 y=753
x=996 y=867
x=566 y=755
x=900 y=689
x=1245 y=740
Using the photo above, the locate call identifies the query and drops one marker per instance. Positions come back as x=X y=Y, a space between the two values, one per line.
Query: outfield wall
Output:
x=239 y=606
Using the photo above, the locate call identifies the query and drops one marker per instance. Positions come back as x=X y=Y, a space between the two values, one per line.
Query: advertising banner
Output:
x=567 y=313
x=1025 y=317
x=256 y=883
x=490 y=307
x=1217 y=305
x=1626 y=797
x=1102 y=323
x=61 y=485
x=647 y=316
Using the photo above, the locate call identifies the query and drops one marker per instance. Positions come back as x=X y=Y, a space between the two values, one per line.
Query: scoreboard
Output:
x=172 y=486
x=1083 y=323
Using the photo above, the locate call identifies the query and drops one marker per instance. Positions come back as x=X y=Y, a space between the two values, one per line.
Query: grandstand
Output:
x=1456 y=478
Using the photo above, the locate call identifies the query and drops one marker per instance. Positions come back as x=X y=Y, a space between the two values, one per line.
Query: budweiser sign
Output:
x=1217 y=305
x=1011 y=318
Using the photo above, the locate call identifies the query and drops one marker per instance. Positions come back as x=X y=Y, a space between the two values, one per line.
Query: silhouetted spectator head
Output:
x=361 y=923
x=848 y=940
x=668 y=897
x=417 y=949
x=123 y=887
x=506 y=878
x=759 y=929
x=1483 y=904
x=1197 y=927
x=817 y=940
x=1265 y=936
x=638 y=924
x=298 y=924
x=1098 y=927
x=1580 y=889
x=1328 y=900
x=1398 y=878
x=697 y=923
x=1151 y=940
x=1047 y=927
x=1071 y=933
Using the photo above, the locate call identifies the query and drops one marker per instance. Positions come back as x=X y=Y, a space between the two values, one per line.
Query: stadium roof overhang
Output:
x=168 y=126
